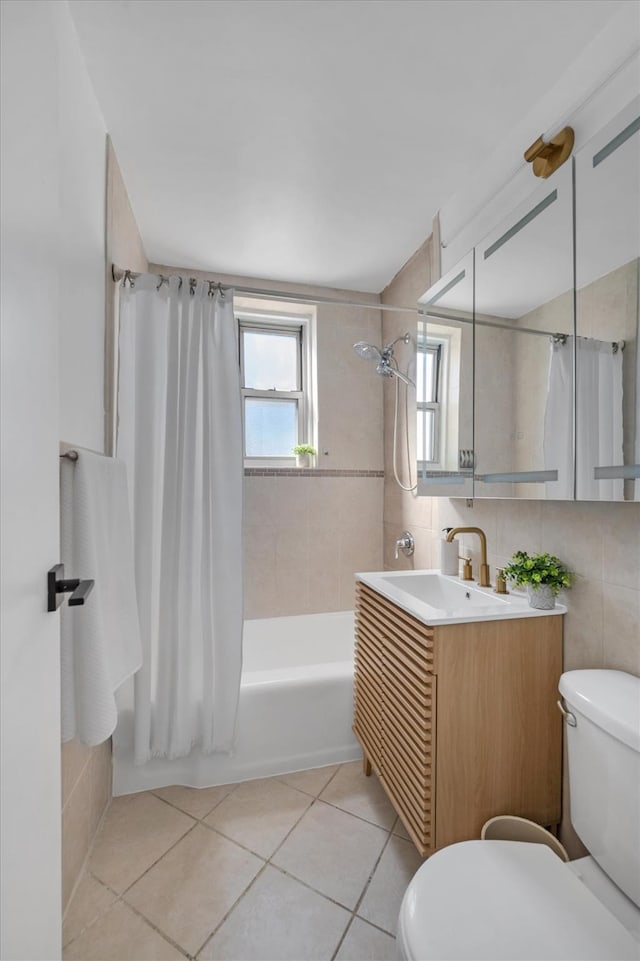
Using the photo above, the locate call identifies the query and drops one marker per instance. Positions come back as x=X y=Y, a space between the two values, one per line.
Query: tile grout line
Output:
x=87 y=874
x=76 y=782
x=85 y=864
x=268 y=861
x=120 y=897
x=159 y=931
x=176 y=807
x=358 y=817
x=158 y=859
x=237 y=901
x=354 y=912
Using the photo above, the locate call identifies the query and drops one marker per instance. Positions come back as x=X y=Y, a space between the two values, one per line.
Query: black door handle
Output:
x=56 y=584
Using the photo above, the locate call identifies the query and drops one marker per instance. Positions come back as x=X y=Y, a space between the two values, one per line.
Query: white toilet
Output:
x=515 y=900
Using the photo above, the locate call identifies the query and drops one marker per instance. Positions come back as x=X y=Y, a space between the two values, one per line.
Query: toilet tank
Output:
x=604 y=770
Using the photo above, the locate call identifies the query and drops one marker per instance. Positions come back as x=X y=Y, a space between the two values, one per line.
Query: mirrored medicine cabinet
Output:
x=528 y=369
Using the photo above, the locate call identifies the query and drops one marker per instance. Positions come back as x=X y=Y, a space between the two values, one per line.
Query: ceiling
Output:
x=313 y=141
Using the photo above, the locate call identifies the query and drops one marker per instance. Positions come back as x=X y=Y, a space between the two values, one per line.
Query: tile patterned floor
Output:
x=306 y=866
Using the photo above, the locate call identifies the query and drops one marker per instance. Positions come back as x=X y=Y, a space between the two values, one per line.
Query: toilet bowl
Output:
x=517 y=900
x=507 y=900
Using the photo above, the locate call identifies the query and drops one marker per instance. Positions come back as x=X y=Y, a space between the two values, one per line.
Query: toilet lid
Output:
x=510 y=900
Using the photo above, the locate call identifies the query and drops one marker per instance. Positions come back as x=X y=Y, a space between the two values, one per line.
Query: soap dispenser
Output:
x=448 y=554
x=501 y=582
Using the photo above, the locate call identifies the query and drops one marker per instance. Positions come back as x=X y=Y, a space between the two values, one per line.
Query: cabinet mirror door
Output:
x=444 y=382
x=524 y=325
x=607 y=357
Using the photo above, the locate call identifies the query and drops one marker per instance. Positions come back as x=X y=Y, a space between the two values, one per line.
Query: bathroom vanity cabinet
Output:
x=459 y=721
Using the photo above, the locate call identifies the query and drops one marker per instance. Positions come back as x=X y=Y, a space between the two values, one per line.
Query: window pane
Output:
x=427 y=374
x=270 y=427
x=431 y=362
x=271 y=360
x=426 y=436
x=420 y=363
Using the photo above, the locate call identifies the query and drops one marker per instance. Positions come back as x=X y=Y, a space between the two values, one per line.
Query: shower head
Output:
x=368 y=351
x=383 y=356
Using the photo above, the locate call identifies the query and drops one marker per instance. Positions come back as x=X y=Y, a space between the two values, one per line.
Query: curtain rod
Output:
x=120 y=274
x=554 y=335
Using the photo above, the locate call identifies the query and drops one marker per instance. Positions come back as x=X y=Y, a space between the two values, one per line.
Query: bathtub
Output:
x=295 y=710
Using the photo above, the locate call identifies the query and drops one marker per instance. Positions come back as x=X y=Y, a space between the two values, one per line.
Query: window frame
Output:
x=440 y=347
x=273 y=322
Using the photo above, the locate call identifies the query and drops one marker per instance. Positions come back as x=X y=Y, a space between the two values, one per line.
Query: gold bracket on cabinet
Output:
x=547 y=156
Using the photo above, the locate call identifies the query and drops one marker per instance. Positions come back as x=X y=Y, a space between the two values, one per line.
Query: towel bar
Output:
x=56 y=584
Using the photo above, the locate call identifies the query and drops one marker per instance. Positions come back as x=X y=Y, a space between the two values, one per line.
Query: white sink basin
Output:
x=437 y=598
x=447 y=595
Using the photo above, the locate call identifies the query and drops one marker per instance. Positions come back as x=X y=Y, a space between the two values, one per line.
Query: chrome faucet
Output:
x=406 y=544
x=485 y=580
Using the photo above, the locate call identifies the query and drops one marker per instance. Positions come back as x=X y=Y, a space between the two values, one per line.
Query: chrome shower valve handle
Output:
x=406 y=544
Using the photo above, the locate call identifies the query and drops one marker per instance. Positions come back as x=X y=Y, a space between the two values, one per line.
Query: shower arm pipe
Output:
x=119 y=274
x=405 y=338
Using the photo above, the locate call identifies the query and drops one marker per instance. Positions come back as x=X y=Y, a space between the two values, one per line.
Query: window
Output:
x=276 y=377
x=428 y=394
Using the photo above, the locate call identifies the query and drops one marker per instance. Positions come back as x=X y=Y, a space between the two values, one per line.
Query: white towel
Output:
x=100 y=642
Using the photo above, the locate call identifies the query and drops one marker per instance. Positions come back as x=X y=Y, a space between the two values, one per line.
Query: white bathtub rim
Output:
x=293 y=618
x=307 y=674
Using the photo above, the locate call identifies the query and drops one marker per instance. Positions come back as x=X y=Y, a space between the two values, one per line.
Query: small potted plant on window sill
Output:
x=543 y=574
x=304 y=455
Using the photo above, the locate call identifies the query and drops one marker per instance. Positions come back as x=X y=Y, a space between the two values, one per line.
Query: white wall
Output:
x=82 y=240
x=30 y=773
x=52 y=190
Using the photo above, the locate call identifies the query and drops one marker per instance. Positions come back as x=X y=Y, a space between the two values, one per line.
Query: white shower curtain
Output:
x=558 y=421
x=598 y=418
x=180 y=434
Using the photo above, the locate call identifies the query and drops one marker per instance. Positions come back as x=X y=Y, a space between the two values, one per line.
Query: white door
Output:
x=29 y=644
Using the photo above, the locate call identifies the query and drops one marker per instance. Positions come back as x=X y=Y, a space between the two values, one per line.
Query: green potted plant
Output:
x=304 y=455
x=543 y=574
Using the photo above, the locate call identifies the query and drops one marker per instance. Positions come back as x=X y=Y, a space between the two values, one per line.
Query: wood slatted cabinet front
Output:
x=459 y=721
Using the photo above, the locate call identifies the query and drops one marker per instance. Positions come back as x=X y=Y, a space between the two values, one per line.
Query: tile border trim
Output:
x=307 y=472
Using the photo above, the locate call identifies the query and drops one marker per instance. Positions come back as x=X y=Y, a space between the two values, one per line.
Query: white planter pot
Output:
x=542 y=597
x=304 y=460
